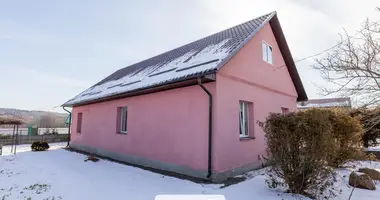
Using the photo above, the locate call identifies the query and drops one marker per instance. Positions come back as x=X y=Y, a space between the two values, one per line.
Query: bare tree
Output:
x=352 y=68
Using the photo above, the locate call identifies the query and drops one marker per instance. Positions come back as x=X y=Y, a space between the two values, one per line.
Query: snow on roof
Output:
x=195 y=59
x=325 y=103
x=206 y=59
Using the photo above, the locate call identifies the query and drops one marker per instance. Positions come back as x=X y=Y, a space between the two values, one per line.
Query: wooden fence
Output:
x=29 y=139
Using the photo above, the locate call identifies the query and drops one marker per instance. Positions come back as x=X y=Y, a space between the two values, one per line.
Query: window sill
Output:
x=247 y=138
x=121 y=133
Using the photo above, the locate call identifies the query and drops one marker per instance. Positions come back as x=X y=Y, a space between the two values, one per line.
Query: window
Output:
x=123 y=119
x=243 y=119
x=267 y=53
x=284 y=110
x=79 y=123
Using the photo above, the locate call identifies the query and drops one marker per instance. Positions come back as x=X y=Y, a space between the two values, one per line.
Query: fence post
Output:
x=19 y=138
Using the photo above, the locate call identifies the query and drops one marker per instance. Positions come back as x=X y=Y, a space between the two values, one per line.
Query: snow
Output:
x=61 y=174
x=158 y=73
x=372 y=148
x=324 y=105
x=359 y=173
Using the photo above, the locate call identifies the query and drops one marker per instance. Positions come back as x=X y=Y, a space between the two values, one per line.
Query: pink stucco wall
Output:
x=246 y=77
x=169 y=126
x=172 y=126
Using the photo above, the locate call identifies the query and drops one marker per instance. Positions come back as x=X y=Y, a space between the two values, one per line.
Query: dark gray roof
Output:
x=236 y=36
x=198 y=58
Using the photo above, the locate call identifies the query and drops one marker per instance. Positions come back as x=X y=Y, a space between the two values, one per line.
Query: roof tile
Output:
x=163 y=68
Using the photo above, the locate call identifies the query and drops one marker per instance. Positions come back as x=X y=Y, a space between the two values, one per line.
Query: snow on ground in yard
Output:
x=373 y=148
x=26 y=147
x=61 y=174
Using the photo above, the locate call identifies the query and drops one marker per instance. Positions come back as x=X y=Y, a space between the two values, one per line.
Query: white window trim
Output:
x=266 y=51
x=242 y=115
x=123 y=119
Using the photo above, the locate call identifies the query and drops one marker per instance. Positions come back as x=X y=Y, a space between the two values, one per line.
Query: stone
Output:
x=361 y=180
x=373 y=173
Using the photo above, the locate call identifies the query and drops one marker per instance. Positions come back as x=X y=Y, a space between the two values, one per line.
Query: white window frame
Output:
x=267 y=57
x=244 y=119
x=123 y=119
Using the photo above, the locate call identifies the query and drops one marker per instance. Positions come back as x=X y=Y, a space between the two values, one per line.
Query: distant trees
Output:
x=353 y=65
x=47 y=121
x=50 y=121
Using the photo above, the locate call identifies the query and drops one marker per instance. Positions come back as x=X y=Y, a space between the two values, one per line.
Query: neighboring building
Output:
x=325 y=103
x=193 y=110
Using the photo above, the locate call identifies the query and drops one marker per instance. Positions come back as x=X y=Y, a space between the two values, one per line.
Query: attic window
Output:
x=267 y=53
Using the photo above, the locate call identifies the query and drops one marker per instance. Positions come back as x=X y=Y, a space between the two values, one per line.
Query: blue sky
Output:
x=52 y=50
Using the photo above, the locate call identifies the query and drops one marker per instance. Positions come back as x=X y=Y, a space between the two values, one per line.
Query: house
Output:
x=344 y=102
x=193 y=110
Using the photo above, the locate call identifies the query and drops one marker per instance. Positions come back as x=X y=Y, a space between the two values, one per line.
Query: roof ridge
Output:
x=218 y=47
x=247 y=39
x=195 y=41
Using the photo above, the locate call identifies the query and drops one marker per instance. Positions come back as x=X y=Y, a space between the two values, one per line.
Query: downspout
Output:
x=209 y=168
x=69 y=133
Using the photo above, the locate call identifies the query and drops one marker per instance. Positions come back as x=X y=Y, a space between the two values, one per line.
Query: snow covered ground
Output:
x=373 y=148
x=60 y=174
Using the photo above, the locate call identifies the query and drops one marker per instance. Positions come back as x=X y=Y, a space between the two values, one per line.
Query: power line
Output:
x=326 y=50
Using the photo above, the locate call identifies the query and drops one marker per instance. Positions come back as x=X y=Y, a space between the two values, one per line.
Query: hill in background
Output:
x=40 y=118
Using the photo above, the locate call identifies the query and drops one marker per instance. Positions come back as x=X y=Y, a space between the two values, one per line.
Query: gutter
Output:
x=209 y=168
x=69 y=133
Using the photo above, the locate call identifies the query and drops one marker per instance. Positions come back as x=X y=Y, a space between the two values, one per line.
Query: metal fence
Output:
x=29 y=139
x=24 y=131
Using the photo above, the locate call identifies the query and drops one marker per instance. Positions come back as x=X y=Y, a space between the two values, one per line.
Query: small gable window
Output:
x=267 y=53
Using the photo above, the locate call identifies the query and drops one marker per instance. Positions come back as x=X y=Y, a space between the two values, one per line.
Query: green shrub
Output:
x=4 y=136
x=300 y=144
x=348 y=134
x=306 y=146
x=40 y=146
x=370 y=119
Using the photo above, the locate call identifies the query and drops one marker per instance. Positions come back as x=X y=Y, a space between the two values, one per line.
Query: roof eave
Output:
x=183 y=82
x=289 y=62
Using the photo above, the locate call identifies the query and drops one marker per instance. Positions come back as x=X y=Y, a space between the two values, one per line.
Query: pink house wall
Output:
x=246 y=77
x=172 y=126
x=169 y=126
